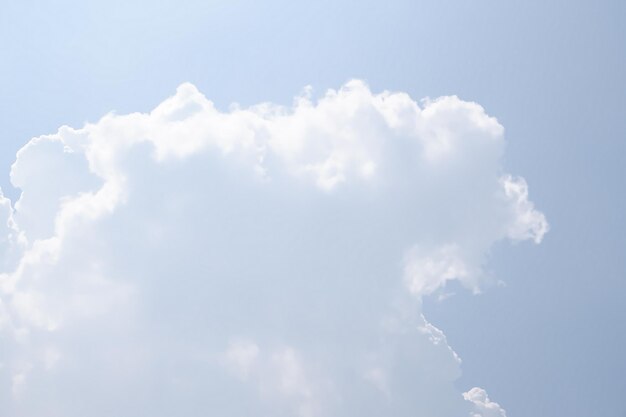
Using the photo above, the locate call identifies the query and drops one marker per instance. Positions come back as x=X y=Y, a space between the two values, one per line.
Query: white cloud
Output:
x=528 y=223
x=483 y=407
x=260 y=261
x=428 y=272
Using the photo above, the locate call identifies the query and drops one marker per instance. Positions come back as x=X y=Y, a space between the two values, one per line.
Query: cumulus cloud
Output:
x=483 y=406
x=266 y=261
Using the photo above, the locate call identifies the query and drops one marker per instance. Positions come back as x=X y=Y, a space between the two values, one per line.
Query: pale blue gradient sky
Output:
x=551 y=341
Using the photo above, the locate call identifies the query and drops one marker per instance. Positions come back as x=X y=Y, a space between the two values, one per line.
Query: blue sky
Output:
x=548 y=342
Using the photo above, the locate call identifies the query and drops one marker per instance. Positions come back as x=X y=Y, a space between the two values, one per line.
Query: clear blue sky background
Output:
x=550 y=343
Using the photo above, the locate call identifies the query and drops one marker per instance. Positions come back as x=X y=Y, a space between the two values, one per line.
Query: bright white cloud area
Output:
x=263 y=261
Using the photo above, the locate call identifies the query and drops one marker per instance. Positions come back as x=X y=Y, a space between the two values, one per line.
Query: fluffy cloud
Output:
x=267 y=261
x=483 y=406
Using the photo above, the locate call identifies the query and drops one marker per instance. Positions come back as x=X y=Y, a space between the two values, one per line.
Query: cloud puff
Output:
x=267 y=261
x=483 y=406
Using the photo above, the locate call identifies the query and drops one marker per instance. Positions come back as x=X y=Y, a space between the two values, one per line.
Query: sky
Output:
x=192 y=185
